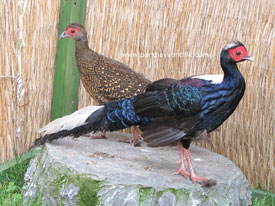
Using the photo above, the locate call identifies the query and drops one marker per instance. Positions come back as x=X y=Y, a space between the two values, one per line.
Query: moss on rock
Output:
x=88 y=187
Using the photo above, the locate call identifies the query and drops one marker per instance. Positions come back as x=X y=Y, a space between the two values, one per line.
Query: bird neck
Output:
x=230 y=69
x=233 y=78
x=220 y=100
x=83 y=53
x=81 y=44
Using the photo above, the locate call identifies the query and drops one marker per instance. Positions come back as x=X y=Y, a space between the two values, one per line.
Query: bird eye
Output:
x=72 y=31
x=238 y=52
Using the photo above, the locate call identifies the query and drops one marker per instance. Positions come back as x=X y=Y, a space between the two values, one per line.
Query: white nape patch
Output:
x=215 y=78
x=69 y=121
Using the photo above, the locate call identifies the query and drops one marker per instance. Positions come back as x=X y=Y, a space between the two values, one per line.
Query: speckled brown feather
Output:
x=105 y=79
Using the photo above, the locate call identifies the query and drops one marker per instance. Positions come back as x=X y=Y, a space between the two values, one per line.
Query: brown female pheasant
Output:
x=105 y=79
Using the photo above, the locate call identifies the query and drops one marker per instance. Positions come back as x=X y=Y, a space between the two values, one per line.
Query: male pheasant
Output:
x=173 y=111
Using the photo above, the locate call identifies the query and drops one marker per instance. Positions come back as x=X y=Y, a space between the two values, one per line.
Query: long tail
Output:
x=73 y=124
x=112 y=116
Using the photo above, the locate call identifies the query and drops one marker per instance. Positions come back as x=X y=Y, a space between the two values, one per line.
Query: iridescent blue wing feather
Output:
x=175 y=110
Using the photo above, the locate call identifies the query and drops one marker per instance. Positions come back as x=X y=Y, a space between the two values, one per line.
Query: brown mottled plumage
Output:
x=105 y=79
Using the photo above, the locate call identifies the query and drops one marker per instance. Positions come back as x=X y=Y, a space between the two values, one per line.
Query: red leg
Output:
x=182 y=169
x=96 y=136
x=136 y=135
x=195 y=178
x=135 y=139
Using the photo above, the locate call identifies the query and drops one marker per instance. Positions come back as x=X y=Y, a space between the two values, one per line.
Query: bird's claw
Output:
x=135 y=140
x=95 y=136
x=99 y=136
x=203 y=181
x=199 y=179
x=183 y=172
x=135 y=143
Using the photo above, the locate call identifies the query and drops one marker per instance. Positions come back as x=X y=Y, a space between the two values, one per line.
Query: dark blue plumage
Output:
x=115 y=116
x=173 y=111
x=143 y=109
x=182 y=98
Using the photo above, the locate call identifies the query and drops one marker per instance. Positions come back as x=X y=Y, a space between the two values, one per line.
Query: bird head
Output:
x=235 y=52
x=74 y=31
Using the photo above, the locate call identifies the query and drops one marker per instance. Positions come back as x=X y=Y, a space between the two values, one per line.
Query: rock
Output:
x=107 y=172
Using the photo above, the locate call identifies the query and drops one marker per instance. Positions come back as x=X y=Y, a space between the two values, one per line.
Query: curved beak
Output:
x=250 y=58
x=63 y=35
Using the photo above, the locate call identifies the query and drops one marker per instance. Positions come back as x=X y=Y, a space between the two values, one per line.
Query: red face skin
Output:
x=238 y=53
x=72 y=31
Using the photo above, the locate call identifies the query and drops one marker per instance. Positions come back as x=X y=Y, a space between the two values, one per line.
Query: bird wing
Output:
x=118 y=81
x=168 y=130
x=177 y=98
x=176 y=109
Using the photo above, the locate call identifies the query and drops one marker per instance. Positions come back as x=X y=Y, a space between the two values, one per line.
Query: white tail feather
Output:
x=70 y=121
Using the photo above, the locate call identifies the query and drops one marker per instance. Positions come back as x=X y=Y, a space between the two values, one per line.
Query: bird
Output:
x=105 y=79
x=174 y=111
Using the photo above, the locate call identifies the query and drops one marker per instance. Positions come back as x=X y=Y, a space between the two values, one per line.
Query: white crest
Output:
x=232 y=44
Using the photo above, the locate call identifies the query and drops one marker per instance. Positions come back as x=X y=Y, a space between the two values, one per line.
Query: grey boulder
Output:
x=107 y=172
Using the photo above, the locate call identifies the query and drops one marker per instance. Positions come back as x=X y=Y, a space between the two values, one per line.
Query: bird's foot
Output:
x=203 y=181
x=195 y=178
x=130 y=141
x=99 y=136
x=136 y=140
x=96 y=136
x=182 y=171
x=136 y=137
x=125 y=141
x=136 y=143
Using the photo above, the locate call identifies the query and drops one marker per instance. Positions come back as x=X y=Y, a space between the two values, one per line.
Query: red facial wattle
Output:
x=72 y=31
x=238 y=53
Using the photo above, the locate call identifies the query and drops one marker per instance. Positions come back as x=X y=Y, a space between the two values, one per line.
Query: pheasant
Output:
x=172 y=111
x=105 y=79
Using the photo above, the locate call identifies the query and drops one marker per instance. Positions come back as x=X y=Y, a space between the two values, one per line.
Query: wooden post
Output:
x=66 y=78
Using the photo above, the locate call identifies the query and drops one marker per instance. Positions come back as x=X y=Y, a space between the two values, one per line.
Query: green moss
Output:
x=39 y=156
x=88 y=188
x=148 y=193
x=186 y=193
x=39 y=164
x=61 y=180
x=145 y=191
x=180 y=193
x=174 y=191
x=204 y=198
x=145 y=194
x=214 y=202
x=243 y=188
x=213 y=193
x=88 y=191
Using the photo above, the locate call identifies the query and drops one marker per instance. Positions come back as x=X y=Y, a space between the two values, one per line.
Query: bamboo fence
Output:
x=28 y=50
x=161 y=38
